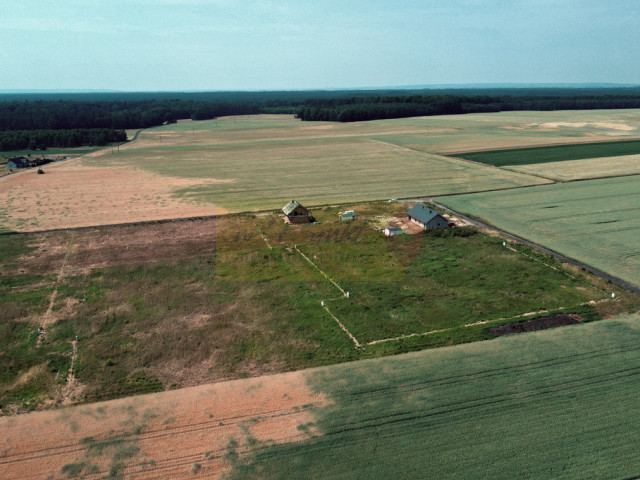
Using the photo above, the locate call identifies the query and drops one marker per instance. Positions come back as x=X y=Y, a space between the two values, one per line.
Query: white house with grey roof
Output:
x=426 y=218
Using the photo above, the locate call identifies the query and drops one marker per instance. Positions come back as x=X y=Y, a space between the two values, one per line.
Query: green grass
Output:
x=594 y=221
x=529 y=156
x=556 y=404
x=456 y=281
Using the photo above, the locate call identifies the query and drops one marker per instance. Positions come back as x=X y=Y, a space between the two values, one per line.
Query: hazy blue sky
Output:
x=299 y=44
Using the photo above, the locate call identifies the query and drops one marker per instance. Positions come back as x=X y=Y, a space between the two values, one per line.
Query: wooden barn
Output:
x=18 y=162
x=296 y=213
x=426 y=218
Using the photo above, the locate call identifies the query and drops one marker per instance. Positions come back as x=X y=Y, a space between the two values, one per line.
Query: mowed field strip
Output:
x=261 y=174
x=260 y=162
x=583 y=169
x=594 y=221
x=556 y=404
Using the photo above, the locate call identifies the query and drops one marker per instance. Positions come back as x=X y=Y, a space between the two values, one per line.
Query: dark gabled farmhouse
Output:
x=18 y=162
x=427 y=218
x=296 y=213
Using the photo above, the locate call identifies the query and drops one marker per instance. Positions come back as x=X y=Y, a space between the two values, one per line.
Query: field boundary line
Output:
x=318 y=268
x=353 y=339
x=480 y=322
x=616 y=281
x=509 y=247
x=409 y=335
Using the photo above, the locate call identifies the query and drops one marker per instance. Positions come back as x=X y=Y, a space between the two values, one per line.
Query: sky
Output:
x=183 y=45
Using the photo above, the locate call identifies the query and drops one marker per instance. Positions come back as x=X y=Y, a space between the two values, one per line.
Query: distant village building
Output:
x=296 y=213
x=426 y=218
x=18 y=162
x=347 y=216
x=392 y=231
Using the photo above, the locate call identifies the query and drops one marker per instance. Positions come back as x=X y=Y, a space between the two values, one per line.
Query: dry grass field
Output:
x=194 y=432
x=259 y=162
x=584 y=169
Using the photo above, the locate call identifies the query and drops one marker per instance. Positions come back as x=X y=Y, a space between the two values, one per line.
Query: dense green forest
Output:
x=373 y=108
x=40 y=120
x=43 y=139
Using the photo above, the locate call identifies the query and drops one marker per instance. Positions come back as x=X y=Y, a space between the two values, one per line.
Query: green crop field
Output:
x=186 y=303
x=559 y=153
x=558 y=404
x=594 y=221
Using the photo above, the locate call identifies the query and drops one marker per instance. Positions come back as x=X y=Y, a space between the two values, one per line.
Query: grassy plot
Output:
x=186 y=303
x=28 y=370
x=558 y=153
x=595 y=221
x=557 y=404
x=448 y=282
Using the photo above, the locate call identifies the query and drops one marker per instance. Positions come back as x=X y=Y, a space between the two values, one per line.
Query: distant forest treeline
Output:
x=66 y=120
x=43 y=139
x=374 y=108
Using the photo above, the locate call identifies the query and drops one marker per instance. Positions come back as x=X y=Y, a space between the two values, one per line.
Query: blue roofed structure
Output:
x=427 y=218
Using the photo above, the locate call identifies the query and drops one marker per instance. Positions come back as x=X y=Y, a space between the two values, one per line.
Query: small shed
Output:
x=426 y=218
x=392 y=231
x=18 y=162
x=296 y=213
x=347 y=216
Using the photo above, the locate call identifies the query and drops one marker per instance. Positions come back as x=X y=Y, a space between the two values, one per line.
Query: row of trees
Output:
x=354 y=109
x=64 y=114
x=43 y=139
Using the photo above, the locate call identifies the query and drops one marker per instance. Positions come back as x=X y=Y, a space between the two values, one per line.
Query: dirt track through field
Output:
x=173 y=434
x=48 y=318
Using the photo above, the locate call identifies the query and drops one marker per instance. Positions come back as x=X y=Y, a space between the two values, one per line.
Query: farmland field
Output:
x=556 y=404
x=584 y=169
x=259 y=162
x=185 y=303
x=560 y=153
x=594 y=221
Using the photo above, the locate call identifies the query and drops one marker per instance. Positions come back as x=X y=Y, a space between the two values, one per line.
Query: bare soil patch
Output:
x=537 y=324
x=175 y=434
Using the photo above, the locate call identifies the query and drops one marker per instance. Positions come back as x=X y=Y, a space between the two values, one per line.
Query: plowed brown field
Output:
x=201 y=430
